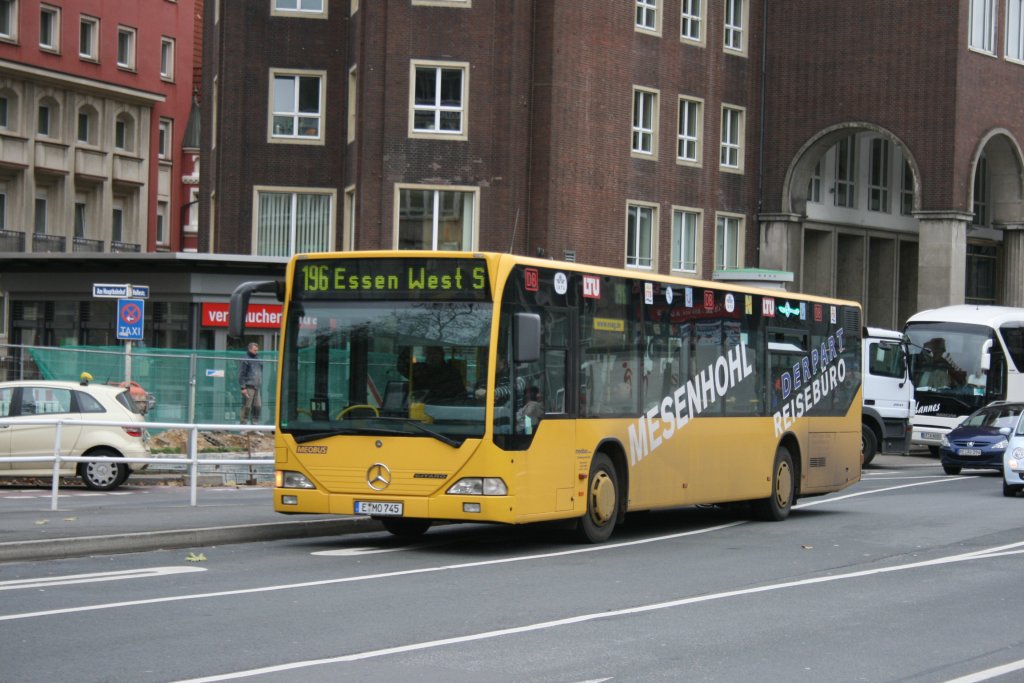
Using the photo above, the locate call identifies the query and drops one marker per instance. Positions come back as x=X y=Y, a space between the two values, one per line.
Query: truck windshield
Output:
x=946 y=363
x=385 y=367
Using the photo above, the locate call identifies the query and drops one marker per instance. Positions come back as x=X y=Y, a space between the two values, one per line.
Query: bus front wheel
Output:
x=406 y=527
x=776 y=507
x=597 y=523
x=868 y=445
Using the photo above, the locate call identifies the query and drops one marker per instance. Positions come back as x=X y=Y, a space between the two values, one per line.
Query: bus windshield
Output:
x=946 y=362
x=384 y=367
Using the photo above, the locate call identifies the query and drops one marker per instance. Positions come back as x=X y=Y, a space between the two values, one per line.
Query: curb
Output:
x=59 y=548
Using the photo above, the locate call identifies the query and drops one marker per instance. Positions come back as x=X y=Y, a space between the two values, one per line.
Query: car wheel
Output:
x=868 y=445
x=103 y=476
x=951 y=469
x=1011 y=491
x=405 y=527
x=776 y=507
x=598 y=522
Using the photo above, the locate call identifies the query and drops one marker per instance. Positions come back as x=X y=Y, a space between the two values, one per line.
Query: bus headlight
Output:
x=285 y=479
x=479 y=486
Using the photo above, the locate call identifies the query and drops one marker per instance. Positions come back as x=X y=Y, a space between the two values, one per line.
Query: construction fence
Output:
x=182 y=385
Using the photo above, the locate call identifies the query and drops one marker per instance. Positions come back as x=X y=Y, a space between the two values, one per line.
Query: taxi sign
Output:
x=129 y=319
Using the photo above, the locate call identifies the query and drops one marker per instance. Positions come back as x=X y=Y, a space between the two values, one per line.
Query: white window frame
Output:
x=165 y=139
x=162 y=222
x=293 y=193
x=51 y=42
x=723 y=221
x=683 y=247
x=88 y=118
x=302 y=9
x=845 y=187
x=691 y=16
x=634 y=259
x=435 y=216
x=297 y=136
x=3 y=206
x=5 y=111
x=129 y=34
x=437 y=107
x=689 y=126
x=44 y=125
x=981 y=36
x=906 y=190
x=81 y=217
x=731 y=150
x=40 y=215
x=348 y=219
x=10 y=9
x=734 y=37
x=117 y=216
x=353 y=103
x=126 y=125
x=879 y=159
x=647 y=17
x=644 y=127
x=91 y=25
x=1015 y=31
x=167 y=50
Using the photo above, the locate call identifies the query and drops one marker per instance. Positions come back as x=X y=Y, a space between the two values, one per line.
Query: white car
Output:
x=33 y=399
x=1013 y=462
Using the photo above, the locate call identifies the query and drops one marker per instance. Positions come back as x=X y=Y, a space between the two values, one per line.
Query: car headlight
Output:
x=285 y=479
x=945 y=441
x=479 y=486
x=1001 y=445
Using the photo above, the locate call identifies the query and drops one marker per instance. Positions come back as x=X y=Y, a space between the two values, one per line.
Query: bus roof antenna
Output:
x=515 y=224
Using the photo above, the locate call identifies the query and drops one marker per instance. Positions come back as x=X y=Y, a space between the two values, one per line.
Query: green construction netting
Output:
x=169 y=375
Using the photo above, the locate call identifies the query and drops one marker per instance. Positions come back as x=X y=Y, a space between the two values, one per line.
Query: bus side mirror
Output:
x=527 y=340
x=986 y=355
x=238 y=306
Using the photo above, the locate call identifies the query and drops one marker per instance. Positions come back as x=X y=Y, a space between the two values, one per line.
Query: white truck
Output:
x=888 y=404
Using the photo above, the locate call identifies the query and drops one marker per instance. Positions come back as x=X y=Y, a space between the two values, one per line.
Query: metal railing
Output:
x=191 y=456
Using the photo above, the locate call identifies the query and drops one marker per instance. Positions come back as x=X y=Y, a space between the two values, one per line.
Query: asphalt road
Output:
x=911 y=575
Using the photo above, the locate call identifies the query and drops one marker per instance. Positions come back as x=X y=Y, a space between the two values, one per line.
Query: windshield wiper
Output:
x=313 y=436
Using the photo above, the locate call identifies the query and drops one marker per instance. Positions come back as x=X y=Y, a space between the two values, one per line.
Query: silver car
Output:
x=1013 y=462
x=34 y=399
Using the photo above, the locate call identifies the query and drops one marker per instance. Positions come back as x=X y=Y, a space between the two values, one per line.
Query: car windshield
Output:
x=385 y=367
x=995 y=417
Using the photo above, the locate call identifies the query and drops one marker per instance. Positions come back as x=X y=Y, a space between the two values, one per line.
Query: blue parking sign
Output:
x=129 y=318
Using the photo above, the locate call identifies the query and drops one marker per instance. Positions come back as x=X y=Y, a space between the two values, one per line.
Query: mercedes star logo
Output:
x=378 y=476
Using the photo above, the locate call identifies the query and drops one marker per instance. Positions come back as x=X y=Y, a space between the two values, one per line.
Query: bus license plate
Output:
x=969 y=451
x=931 y=436
x=378 y=508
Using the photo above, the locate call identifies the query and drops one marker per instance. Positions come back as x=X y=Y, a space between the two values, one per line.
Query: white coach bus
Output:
x=962 y=357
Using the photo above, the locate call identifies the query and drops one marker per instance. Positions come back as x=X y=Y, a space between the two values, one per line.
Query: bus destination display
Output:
x=400 y=279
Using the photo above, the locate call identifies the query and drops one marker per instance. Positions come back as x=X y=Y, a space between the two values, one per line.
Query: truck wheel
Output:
x=868 y=445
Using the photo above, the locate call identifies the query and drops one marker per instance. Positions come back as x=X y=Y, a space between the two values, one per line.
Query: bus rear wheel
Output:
x=406 y=527
x=777 y=506
x=597 y=523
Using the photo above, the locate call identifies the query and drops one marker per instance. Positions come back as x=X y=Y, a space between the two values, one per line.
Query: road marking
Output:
x=51 y=581
x=988 y=553
x=989 y=674
x=822 y=501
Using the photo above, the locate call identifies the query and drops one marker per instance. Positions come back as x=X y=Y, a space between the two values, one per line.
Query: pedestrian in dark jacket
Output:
x=250 y=379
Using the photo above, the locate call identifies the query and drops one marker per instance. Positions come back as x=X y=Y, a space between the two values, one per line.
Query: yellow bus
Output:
x=478 y=387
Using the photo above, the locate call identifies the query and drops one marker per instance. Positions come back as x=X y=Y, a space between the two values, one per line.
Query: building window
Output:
x=88 y=34
x=907 y=191
x=732 y=138
x=40 y=217
x=735 y=11
x=124 y=133
x=292 y=222
x=43 y=126
x=982 y=268
x=647 y=15
x=84 y=126
x=688 y=147
x=982 y=26
x=9 y=19
x=81 y=209
x=352 y=103
x=640 y=228
x=878 y=177
x=125 y=47
x=298 y=104
x=49 y=28
x=1015 y=30
x=4 y=121
x=3 y=206
x=298 y=6
x=117 y=224
x=349 y=219
x=439 y=95
x=161 y=222
x=685 y=233
x=165 y=139
x=437 y=219
x=691 y=23
x=728 y=238
x=846 y=166
x=981 y=189
x=814 y=184
x=167 y=58
x=645 y=121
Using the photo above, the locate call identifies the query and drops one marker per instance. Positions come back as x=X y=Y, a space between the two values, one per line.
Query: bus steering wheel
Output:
x=376 y=412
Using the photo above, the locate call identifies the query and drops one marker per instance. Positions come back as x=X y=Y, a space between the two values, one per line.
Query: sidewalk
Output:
x=87 y=525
